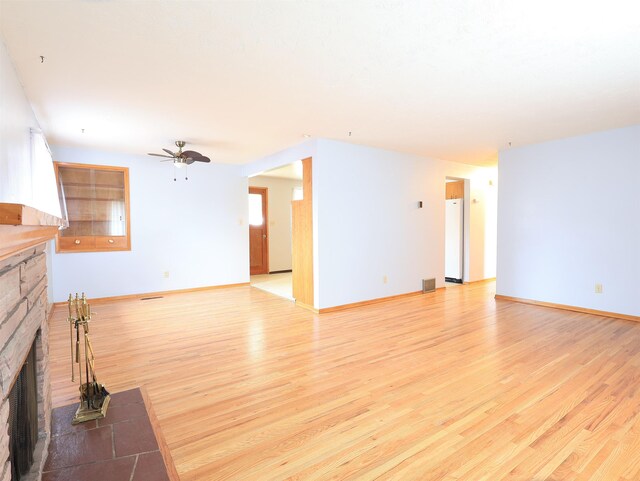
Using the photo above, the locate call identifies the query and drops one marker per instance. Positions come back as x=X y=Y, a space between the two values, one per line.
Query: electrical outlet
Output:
x=165 y=274
x=598 y=288
x=385 y=279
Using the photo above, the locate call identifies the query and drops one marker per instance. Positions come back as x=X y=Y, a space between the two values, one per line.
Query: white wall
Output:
x=369 y=224
x=18 y=177
x=297 y=152
x=569 y=217
x=16 y=119
x=366 y=224
x=481 y=211
x=196 y=230
x=280 y=192
x=23 y=178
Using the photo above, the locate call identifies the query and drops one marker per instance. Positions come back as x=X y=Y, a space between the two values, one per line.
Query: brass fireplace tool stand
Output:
x=94 y=398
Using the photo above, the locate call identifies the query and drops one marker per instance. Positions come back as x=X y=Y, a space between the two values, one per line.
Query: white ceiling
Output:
x=455 y=79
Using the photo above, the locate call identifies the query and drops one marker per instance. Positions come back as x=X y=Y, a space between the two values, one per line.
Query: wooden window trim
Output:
x=97 y=243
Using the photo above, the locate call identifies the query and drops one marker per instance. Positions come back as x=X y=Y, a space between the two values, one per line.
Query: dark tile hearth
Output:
x=150 y=466
x=83 y=446
x=120 y=447
x=113 y=470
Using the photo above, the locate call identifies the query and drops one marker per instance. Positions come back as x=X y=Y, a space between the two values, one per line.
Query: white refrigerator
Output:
x=453 y=240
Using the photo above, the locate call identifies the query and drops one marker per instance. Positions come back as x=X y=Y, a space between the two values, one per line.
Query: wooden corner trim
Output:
x=307 y=307
x=565 y=307
x=370 y=301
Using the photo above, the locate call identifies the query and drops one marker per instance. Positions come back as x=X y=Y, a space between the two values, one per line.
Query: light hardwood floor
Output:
x=451 y=385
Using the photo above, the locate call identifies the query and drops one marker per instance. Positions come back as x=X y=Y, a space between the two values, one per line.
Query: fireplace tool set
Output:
x=94 y=398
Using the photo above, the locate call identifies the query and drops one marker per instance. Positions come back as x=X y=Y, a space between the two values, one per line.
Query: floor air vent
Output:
x=428 y=285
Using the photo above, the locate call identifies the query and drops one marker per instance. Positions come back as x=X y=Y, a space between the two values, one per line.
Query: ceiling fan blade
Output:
x=189 y=160
x=160 y=155
x=191 y=153
x=196 y=156
x=170 y=153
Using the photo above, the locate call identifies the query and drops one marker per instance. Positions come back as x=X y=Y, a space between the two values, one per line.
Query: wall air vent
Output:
x=428 y=285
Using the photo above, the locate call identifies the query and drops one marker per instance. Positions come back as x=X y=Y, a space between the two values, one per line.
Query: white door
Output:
x=453 y=239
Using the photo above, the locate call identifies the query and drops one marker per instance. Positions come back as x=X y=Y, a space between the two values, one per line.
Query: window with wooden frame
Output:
x=96 y=201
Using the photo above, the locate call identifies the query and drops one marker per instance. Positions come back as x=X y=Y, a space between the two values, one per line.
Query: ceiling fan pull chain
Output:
x=174 y=173
x=185 y=172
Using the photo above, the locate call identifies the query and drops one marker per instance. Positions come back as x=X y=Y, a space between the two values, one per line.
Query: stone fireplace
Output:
x=23 y=316
x=24 y=333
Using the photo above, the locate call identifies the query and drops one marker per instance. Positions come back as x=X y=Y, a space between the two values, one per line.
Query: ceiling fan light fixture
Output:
x=182 y=158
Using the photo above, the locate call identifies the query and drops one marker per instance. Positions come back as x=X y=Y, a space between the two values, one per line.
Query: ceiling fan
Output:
x=181 y=158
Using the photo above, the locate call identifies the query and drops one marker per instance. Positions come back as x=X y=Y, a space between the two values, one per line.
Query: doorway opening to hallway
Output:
x=272 y=195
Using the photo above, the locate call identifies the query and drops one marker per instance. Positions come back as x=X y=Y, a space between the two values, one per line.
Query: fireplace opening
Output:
x=23 y=418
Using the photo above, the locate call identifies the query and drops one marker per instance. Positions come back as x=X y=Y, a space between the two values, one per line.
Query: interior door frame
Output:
x=264 y=192
x=302 y=241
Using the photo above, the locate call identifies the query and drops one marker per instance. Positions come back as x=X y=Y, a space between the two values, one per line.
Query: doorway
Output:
x=258 y=231
x=284 y=186
x=454 y=232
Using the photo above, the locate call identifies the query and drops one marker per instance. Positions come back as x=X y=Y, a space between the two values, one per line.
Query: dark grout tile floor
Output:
x=120 y=447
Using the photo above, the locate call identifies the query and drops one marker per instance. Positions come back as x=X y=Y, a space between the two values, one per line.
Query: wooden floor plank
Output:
x=451 y=385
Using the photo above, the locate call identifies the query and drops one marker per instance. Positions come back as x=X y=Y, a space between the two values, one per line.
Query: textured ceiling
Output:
x=454 y=79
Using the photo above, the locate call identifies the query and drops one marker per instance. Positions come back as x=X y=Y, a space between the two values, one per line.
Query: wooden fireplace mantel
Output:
x=22 y=227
